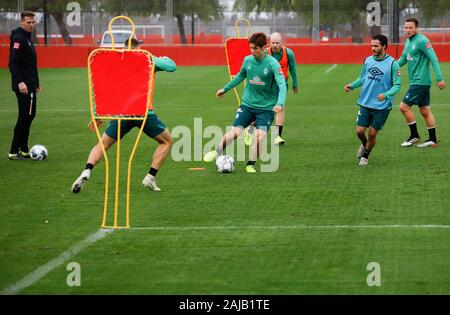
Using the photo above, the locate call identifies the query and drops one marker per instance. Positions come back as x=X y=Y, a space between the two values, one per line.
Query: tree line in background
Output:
x=332 y=12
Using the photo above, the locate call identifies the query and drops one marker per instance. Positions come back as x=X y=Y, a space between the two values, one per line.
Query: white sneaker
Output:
x=363 y=161
x=81 y=180
x=210 y=156
x=150 y=182
x=360 y=152
x=410 y=142
x=428 y=143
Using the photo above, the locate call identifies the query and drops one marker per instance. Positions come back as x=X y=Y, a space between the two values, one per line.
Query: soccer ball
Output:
x=38 y=152
x=225 y=164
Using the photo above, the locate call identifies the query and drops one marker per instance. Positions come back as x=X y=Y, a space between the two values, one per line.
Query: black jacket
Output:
x=23 y=60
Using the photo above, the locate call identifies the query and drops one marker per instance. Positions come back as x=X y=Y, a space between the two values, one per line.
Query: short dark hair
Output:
x=383 y=39
x=24 y=14
x=134 y=42
x=259 y=39
x=414 y=20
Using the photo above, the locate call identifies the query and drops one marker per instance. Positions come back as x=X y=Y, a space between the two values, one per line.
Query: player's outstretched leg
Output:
x=95 y=156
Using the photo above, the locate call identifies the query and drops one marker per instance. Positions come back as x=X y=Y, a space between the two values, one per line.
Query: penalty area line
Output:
x=288 y=227
x=41 y=271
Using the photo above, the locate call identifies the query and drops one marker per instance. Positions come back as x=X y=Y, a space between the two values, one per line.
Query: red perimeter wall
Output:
x=65 y=57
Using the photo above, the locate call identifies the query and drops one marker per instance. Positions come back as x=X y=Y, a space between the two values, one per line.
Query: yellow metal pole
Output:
x=116 y=201
x=97 y=132
x=149 y=101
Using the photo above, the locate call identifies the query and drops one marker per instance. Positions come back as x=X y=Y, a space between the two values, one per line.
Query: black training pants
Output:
x=27 y=111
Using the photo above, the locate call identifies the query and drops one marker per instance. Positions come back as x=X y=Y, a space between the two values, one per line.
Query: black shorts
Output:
x=418 y=95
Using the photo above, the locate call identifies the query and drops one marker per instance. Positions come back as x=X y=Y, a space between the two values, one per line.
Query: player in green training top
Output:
x=286 y=58
x=418 y=53
x=264 y=95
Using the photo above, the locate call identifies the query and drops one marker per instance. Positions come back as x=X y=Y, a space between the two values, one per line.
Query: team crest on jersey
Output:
x=409 y=58
x=429 y=45
x=16 y=46
x=414 y=46
x=249 y=67
x=266 y=70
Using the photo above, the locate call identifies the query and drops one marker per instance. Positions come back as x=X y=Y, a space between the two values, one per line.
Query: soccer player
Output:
x=25 y=83
x=418 y=53
x=264 y=94
x=154 y=128
x=285 y=56
x=380 y=81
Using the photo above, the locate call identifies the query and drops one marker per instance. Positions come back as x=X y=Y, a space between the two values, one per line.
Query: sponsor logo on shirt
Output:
x=280 y=71
x=257 y=81
x=399 y=73
x=16 y=46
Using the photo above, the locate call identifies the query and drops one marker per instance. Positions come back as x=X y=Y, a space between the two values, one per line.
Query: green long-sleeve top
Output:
x=265 y=86
x=418 y=53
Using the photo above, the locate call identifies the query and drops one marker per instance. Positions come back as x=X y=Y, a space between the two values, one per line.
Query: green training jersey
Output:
x=418 y=53
x=291 y=62
x=265 y=86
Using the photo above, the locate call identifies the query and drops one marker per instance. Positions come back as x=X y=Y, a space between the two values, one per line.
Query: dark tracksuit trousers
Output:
x=27 y=112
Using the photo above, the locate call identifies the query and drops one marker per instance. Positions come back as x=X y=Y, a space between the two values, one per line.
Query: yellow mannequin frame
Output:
x=238 y=33
x=94 y=117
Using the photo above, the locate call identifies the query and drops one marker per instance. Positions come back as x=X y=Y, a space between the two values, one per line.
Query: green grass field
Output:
x=312 y=227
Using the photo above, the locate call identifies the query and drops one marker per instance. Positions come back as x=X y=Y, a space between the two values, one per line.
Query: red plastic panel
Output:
x=237 y=48
x=120 y=82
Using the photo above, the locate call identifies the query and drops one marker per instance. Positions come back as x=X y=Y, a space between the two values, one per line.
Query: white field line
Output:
x=41 y=271
x=288 y=227
x=171 y=109
x=331 y=68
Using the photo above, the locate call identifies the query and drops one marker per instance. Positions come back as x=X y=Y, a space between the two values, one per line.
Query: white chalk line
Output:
x=288 y=227
x=331 y=68
x=41 y=271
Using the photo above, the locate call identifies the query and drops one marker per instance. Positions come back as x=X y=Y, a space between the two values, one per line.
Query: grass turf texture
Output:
x=317 y=184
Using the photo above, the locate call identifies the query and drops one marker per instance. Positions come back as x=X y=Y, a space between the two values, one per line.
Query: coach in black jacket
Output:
x=25 y=82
